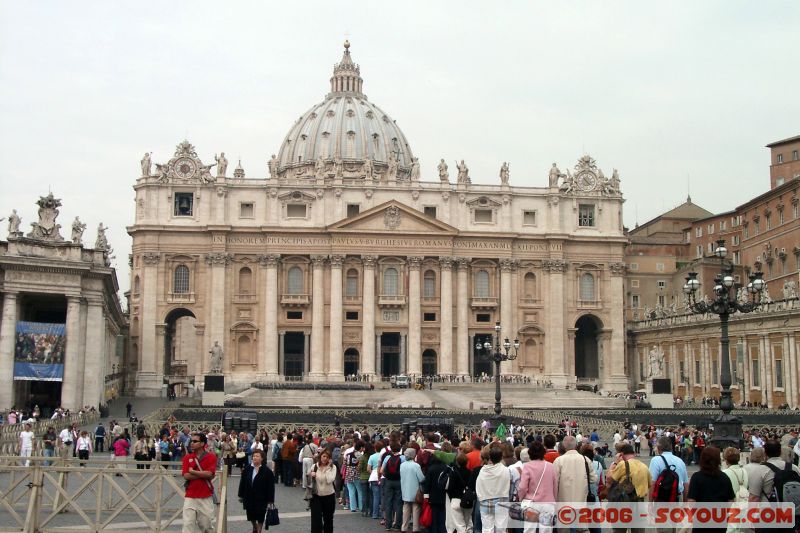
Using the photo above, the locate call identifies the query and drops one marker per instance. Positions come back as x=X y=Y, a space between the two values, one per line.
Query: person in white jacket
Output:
x=492 y=488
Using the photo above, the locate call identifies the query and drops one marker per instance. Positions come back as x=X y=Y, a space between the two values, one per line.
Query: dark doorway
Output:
x=186 y=318
x=481 y=364
x=586 y=360
x=45 y=394
x=294 y=358
x=350 y=362
x=429 y=363
x=390 y=354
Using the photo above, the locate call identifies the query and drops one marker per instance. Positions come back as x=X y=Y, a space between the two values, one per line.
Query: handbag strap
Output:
x=540 y=480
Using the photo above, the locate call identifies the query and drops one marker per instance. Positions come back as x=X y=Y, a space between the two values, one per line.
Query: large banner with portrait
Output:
x=39 y=353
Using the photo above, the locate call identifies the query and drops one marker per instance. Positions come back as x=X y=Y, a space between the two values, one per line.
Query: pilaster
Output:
x=8 y=336
x=71 y=387
x=369 y=356
x=446 y=316
x=270 y=351
x=335 y=354
x=317 y=318
x=506 y=307
x=94 y=364
x=414 y=310
x=462 y=312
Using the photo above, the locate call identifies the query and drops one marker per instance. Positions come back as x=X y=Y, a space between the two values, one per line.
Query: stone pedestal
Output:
x=659 y=393
x=214 y=389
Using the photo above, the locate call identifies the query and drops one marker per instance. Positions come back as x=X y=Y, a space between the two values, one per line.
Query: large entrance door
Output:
x=480 y=364
x=350 y=362
x=586 y=360
x=180 y=342
x=429 y=363
x=390 y=354
x=294 y=359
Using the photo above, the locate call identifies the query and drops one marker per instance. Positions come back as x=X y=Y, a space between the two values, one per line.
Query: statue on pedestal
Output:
x=46 y=229
x=101 y=243
x=443 y=174
x=463 y=173
x=320 y=169
x=555 y=174
x=273 y=167
x=146 y=164
x=656 y=356
x=504 y=173
x=369 y=171
x=13 y=223
x=77 y=230
x=392 y=167
x=414 y=169
x=222 y=164
x=216 y=358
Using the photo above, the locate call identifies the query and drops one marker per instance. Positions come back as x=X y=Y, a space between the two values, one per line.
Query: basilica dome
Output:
x=346 y=128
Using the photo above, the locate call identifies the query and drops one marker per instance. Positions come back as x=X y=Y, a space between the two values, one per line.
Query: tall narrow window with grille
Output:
x=180 y=283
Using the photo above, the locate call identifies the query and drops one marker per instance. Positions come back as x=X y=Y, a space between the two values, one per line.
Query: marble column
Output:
x=556 y=370
x=705 y=377
x=306 y=353
x=616 y=323
x=369 y=356
x=463 y=348
x=8 y=337
x=147 y=363
x=215 y=319
x=766 y=361
x=745 y=369
x=71 y=393
x=403 y=353
x=335 y=353
x=378 y=369
x=446 y=315
x=794 y=370
x=317 y=355
x=270 y=351
x=506 y=306
x=95 y=358
x=281 y=358
x=788 y=372
x=414 y=310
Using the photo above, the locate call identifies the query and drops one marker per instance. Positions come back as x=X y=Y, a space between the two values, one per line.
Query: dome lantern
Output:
x=346 y=75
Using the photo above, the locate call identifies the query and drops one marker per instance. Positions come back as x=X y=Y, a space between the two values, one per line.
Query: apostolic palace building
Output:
x=345 y=261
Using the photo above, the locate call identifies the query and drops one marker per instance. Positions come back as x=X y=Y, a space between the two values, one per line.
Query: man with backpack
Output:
x=670 y=479
x=786 y=477
x=393 y=498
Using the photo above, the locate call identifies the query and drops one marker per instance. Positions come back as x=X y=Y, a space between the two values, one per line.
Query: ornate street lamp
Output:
x=727 y=427
x=498 y=353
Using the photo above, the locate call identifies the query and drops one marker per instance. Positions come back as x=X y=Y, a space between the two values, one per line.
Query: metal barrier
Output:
x=9 y=433
x=101 y=495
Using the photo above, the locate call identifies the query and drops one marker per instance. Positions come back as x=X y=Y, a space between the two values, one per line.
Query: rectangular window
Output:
x=794 y=155
x=662 y=300
x=710 y=229
x=714 y=372
x=429 y=317
x=294 y=315
x=429 y=210
x=698 y=232
x=756 y=228
x=699 y=250
x=633 y=266
x=737 y=258
x=746 y=232
x=353 y=210
x=483 y=215
x=687 y=237
x=351 y=315
x=529 y=218
x=779 y=373
x=662 y=284
x=183 y=204
x=295 y=210
x=682 y=369
x=754 y=374
x=780 y=158
x=483 y=317
x=659 y=267
x=794 y=210
x=779 y=181
x=697 y=372
x=735 y=240
x=722 y=225
x=768 y=222
x=586 y=215
x=780 y=216
x=635 y=301
x=246 y=210
x=634 y=283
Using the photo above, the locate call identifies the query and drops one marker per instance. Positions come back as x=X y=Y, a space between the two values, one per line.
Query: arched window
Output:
x=429 y=285
x=587 y=287
x=352 y=283
x=245 y=281
x=530 y=285
x=181 y=282
x=390 y=281
x=481 y=284
x=136 y=285
x=295 y=280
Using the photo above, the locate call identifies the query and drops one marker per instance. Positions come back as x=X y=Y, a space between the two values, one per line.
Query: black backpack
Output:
x=786 y=485
x=665 y=489
x=392 y=470
x=443 y=480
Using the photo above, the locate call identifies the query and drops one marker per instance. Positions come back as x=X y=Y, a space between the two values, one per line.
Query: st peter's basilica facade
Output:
x=343 y=261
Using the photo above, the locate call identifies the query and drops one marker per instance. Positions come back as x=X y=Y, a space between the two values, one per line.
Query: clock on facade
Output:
x=587 y=181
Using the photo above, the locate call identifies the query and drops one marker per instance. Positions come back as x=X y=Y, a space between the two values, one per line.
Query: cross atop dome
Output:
x=346 y=75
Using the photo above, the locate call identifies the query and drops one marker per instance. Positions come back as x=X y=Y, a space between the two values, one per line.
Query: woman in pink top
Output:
x=538 y=486
x=121 y=446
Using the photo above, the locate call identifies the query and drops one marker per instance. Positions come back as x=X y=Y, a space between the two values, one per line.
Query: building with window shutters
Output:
x=345 y=260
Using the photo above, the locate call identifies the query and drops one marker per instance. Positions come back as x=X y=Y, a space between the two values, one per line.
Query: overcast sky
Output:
x=667 y=92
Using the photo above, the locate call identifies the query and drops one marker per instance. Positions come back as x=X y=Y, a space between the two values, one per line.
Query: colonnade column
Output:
x=414 y=310
x=788 y=372
x=215 y=320
x=505 y=309
x=317 y=318
x=270 y=351
x=705 y=377
x=71 y=395
x=335 y=355
x=368 y=353
x=94 y=363
x=147 y=361
x=745 y=370
x=766 y=380
x=793 y=402
x=446 y=316
x=616 y=359
x=556 y=333
x=462 y=309
x=8 y=336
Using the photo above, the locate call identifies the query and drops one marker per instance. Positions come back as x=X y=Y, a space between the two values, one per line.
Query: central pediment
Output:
x=392 y=217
